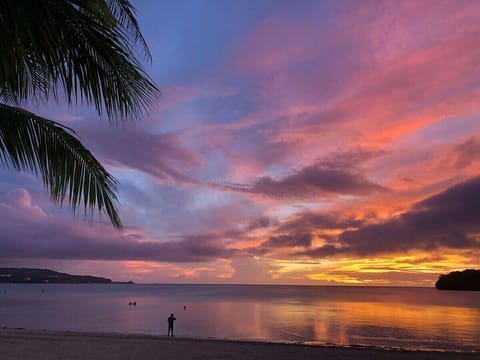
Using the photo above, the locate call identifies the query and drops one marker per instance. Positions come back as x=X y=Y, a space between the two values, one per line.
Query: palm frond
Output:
x=125 y=13
x=31 y=143
x=85 y=47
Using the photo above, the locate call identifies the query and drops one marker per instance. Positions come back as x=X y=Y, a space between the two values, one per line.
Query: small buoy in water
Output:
x=134 y=303
x=184 y=307
x=130 y=303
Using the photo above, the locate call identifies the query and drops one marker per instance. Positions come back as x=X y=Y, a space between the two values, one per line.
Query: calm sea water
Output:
x=414 y=318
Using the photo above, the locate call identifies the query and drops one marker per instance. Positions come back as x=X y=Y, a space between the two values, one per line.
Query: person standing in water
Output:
x=170 y=320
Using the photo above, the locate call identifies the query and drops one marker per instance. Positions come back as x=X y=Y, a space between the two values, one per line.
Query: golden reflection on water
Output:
x=352 y=322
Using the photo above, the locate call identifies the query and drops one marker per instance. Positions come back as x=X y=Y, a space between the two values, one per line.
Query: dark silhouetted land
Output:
x=460 y=280
x=25 y=275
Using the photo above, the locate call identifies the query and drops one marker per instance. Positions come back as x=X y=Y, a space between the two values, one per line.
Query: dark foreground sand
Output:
x=26 y=345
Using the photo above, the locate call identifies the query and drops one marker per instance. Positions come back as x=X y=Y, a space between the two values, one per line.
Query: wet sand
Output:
x=38 y=345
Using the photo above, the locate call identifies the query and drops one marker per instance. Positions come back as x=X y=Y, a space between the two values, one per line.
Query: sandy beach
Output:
x=26 y=345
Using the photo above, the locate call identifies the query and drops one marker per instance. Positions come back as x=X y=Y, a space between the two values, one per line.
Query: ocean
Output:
x=389 y=317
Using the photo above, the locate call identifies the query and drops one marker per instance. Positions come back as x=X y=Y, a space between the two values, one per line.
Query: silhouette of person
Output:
x=170 y=320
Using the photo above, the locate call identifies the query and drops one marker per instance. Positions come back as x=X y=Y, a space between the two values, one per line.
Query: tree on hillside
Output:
x=85 y=49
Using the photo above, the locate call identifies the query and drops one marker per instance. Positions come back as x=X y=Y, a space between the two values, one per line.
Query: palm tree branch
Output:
x=32 y=143
x=125 y=12
x=87 y=49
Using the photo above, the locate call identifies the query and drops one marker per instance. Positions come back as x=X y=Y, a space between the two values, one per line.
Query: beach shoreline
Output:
x=48 y=345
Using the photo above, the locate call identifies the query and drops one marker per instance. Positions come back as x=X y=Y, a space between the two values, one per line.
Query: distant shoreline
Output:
x=45 y=345
x=46 y=276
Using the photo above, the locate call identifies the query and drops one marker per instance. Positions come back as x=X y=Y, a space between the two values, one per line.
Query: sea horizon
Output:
x=252 y=284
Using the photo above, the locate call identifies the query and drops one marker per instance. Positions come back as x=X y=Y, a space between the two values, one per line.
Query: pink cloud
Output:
x=18 y=203
x=399 y=68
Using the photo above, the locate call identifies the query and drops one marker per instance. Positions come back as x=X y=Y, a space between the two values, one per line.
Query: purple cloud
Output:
x=29 y=233
x=449 y=219
x=311 y=181
x=311 y=221
x=162 y=155
x=282 y=241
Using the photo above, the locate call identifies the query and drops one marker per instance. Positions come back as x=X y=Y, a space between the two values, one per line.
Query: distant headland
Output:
x=25 y=275
x=459 y=280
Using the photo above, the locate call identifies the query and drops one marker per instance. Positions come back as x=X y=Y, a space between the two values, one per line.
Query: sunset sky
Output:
x=295 y=142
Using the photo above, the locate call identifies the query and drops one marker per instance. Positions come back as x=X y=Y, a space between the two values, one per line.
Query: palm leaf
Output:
x=31 y=143
x=86 y=50
x=125 y=13
x=85 y=47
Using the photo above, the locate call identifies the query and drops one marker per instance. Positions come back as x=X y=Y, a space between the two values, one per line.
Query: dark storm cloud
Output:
x=449 y=219
x=312 y=180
